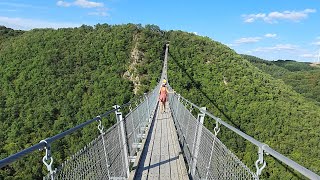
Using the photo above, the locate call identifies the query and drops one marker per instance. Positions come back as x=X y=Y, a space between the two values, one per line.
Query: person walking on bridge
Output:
x=163 y=95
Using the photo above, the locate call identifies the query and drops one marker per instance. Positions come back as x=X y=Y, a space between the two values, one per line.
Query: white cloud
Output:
x=278 y=47
x=22 y=23
x=252 y=17
x=81 y=3
x=309 y=56
x=64 y=4
x=231 y=45
x=96 y=13
x=88 y=4
x=13 y=4
x=310 y=10
x=8 y=10
x=19 y=5
x=99 y=12
x=247 y=40
x=270 y=35
x=273 y=17
x=316 y=43
x=100 y=8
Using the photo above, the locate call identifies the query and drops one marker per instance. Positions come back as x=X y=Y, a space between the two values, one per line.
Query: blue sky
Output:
x=269 y=29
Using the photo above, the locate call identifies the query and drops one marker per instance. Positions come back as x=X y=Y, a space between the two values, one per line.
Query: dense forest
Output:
x=303 y=77
x=6 y=33
x=52 y=80
x=212 y=75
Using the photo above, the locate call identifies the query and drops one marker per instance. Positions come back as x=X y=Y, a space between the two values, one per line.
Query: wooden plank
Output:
x=156 y=152
x=176 y=148
x=142 y=171
x=139 y=158
x=173 y=154
x=162 y=158
x=182 y=171
x=165 y=160
x=149 y=153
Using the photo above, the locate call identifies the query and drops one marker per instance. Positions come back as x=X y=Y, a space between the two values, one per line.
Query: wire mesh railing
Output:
x=103 y=158
x=207 y=157
x=137 y=120
x=107 y=157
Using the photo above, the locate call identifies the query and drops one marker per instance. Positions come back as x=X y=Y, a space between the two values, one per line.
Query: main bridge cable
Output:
x=262 y=147
x=44 y=143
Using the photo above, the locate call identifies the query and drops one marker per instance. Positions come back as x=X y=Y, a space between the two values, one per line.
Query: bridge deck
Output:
x=161 y=157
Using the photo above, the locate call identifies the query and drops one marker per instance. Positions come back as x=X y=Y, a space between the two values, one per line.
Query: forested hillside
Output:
x=212 y=75
x=52 y=80
x=303 y=78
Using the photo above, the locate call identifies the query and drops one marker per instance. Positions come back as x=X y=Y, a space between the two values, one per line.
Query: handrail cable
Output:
x=42 y=144
x=306 y=172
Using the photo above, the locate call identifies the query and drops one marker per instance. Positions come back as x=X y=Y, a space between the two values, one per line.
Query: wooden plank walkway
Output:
x=161 y=157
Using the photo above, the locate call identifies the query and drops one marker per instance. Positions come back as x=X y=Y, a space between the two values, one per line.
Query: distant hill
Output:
x=52 y=80
x=6 y=33
x=303 y=77
x=293 y=66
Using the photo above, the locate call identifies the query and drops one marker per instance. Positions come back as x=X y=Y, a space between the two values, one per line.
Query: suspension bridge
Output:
x=148 y=144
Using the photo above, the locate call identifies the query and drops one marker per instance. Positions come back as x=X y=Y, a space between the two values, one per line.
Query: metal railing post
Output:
x=196 y=147
x=140 y=121
x=177 y=107
x=123 y=138
x=177 y=119
x=148 y=107
x=101 y=130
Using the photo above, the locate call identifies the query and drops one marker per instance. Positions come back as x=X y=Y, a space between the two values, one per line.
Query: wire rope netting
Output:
x=104 y=157
x=204 y=153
